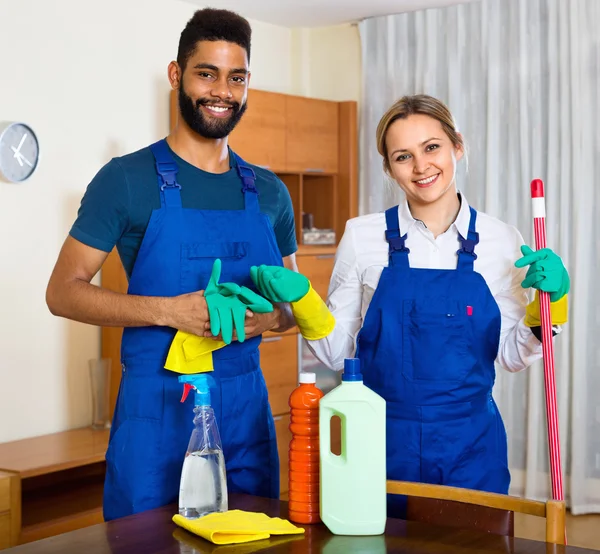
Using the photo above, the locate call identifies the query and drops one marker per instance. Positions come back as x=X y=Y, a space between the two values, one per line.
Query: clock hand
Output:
x=20 y=158
x=25 y=160
x=21 y=143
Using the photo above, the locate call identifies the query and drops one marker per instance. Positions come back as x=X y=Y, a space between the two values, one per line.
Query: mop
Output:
x=539 y=224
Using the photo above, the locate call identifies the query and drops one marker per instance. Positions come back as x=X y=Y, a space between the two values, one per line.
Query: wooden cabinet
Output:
x=284 y=436
x=53 y=483
x=318 y=269
x=293 y=134
x=113 y=278
x=9 y=509
x=260 y=137
x=5 y=531
x=312 y=130
x=279 y=364
x=4 y=492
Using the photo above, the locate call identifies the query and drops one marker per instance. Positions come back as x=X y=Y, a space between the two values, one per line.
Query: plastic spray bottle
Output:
x=203 y=485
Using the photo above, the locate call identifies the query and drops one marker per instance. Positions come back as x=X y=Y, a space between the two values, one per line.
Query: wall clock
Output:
x=19 y=151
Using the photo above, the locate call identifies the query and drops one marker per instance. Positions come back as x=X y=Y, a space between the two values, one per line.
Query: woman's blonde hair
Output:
x=412 y=105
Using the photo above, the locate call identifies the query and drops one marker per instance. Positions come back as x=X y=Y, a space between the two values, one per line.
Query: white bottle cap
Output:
x=307 y=378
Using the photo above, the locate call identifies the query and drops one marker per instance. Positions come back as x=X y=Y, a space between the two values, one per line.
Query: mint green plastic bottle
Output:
x=353 y=484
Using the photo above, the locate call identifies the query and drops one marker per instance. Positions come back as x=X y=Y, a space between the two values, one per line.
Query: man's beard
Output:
x=213 y=128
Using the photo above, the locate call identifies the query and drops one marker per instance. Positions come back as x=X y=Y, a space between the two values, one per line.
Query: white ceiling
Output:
x=317 y=13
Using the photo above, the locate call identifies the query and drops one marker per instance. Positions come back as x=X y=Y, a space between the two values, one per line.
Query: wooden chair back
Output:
x=483 y=511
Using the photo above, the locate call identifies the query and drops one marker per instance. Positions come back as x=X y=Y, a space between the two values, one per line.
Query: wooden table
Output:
x=153 y=532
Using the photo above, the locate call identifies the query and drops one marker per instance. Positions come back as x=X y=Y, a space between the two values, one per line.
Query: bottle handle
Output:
x=325 y=415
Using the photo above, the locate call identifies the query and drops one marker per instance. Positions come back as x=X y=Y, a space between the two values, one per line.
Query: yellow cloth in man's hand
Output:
x=191 y=354
x=237 y=526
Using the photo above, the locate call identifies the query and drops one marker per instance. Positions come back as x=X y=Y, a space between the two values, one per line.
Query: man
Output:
x=172 y=209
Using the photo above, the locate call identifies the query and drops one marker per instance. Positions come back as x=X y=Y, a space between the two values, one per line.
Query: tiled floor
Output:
x=582 y=531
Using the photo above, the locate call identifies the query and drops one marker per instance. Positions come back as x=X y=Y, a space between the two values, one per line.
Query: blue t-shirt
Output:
x=118 y=203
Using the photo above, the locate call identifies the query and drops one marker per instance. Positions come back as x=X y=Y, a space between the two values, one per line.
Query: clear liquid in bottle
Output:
x=203 y=484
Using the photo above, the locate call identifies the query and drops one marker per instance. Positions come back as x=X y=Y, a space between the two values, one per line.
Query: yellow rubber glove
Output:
x=558 y=311
x=237 y=526
x=191 y=354
x=312 y=316
x=279 y=284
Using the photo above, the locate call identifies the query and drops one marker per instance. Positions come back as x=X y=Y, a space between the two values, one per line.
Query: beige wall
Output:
x=93 y=88
x=327 y=62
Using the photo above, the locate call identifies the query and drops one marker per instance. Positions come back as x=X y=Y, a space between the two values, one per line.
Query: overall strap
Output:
x=398 y=252
x=248 y=178
x=466 y=252
x=166 y=167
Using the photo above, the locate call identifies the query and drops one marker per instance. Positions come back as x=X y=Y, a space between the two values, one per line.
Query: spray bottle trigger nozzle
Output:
x=186 y=390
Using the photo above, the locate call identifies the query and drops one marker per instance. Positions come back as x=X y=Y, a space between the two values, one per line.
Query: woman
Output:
x=429 y=295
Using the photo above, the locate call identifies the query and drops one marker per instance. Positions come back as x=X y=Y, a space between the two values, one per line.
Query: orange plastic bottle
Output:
x=304 y=451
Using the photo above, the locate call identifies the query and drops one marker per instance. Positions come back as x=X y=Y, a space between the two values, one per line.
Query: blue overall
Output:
x=151 y=428
x=427 y=346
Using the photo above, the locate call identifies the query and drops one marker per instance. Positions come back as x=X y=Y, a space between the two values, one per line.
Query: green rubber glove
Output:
x=227 y=304
x=253 y=301
x=279 y=284
x=225 y=312
x=546 y=273
x=213 y=283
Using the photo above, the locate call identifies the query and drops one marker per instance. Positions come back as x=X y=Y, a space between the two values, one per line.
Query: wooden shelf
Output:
x=319 y=198
x=55 y=452
x=59 y=482
x=66 y=500
x=57 y=526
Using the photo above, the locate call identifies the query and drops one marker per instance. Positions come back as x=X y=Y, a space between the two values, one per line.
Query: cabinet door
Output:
x=279 y=364
x=312 y=135
x=5 y=531
x=10 y=507
x=5 y=494
x=284 y=436
x=318 y=270
x=259 y=137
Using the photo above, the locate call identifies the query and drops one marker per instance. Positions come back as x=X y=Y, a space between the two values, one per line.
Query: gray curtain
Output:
x=522 y=78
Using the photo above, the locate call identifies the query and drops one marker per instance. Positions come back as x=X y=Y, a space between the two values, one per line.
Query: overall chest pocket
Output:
x=437 y=341
x=197 y=261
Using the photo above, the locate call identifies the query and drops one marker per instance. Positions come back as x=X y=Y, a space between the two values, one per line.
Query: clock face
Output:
x=19 y=152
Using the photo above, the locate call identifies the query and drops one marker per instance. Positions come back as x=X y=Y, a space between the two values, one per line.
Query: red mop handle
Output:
x=539 y=224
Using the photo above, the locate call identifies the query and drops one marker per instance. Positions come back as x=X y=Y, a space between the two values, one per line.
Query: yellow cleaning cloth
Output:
x=312 y=316
x=558 y=311
x=191 y=354
x=198 y=545
x=237 y=526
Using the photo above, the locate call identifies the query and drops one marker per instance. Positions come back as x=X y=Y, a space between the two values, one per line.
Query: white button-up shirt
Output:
x=363 y=253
